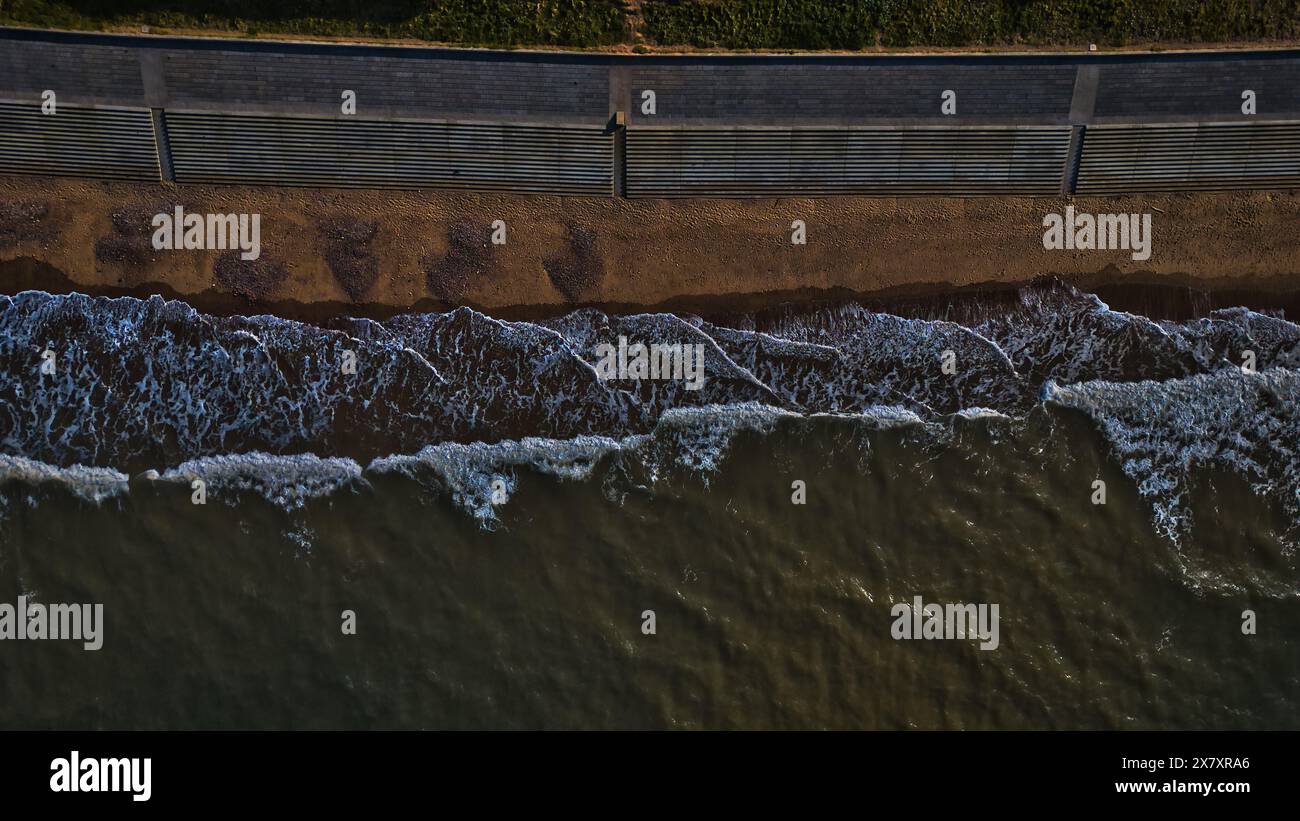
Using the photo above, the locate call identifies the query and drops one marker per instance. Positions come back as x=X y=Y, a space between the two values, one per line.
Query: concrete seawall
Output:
x=269 y=113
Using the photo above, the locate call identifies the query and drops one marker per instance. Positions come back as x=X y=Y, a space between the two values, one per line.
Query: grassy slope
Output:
x=471 y=22
x=824 y=24
x=727 y=24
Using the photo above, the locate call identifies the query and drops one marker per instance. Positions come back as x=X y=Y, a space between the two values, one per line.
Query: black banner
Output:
x=308 y=770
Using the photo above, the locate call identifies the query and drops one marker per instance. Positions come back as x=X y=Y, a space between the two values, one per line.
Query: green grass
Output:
x=826 y=24
x=470 y=22
x=721 y=24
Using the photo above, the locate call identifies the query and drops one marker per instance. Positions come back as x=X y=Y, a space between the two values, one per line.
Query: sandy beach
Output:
x=367 y=252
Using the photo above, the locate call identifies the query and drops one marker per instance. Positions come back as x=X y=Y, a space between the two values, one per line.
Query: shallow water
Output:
x=520 y=604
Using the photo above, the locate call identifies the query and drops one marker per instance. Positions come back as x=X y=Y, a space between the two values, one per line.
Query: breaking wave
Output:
x=462 y=402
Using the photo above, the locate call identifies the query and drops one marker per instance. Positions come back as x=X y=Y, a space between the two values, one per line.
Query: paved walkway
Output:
x=430 y=83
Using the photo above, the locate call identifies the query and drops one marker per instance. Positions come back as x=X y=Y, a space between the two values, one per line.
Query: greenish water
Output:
x=768 y=614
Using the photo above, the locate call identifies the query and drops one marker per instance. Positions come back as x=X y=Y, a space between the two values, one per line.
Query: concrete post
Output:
x=155 y=96
x=620 y=84
x=1082 y=105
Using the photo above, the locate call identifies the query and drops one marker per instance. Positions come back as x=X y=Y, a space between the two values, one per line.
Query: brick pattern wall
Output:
x=1204 y=88
x=743 y=94
x=410 y=87
x=97 y=75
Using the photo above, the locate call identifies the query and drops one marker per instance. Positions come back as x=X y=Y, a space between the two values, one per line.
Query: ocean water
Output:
x=499 y=519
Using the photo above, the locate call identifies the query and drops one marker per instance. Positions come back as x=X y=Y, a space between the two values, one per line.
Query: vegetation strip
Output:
x=709 y=24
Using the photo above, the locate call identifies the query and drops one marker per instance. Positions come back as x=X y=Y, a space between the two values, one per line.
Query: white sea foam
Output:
x=286 y=481
x=480 y=477
x=472 y=400
x=1162 y=431
x=93 y=484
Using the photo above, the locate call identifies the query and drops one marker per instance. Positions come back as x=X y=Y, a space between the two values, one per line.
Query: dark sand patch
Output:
x=579 y=272
x=21 y=222
x=348 y=253
x=468 y=258
x=252 y=278
x=130 y=242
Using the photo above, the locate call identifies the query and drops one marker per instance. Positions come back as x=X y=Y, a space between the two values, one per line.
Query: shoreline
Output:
x=407 y=250
x=1171 y=298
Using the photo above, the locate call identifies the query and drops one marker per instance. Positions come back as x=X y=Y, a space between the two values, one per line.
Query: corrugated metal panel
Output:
x=304 y=151
x=1194 y=157
x=116 y=143
x=755 y=162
